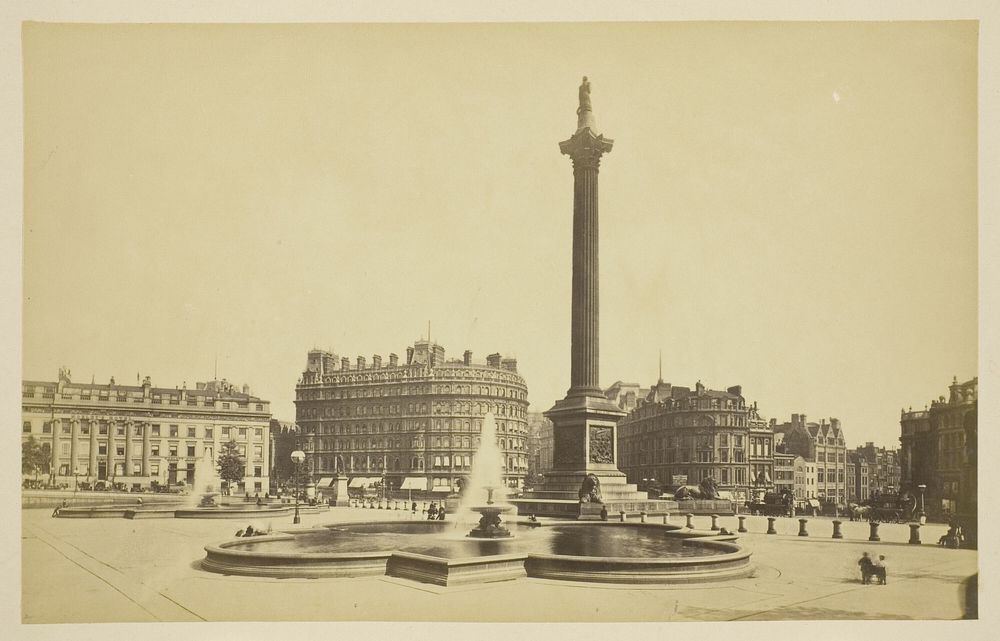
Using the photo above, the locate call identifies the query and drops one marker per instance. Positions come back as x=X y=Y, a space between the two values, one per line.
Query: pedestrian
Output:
x=414 y=507
x=248 y=531
x=880 y=568
x=441 y=514
x=867 y=568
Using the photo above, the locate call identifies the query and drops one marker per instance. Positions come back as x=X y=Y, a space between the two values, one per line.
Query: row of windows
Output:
x=348 y=410
x=503 y=427
x=123 y=397
x=684 y=442
x=155 y=449
x=83 y=469
x=155 y=430
x=382 y=463
x=379 y=391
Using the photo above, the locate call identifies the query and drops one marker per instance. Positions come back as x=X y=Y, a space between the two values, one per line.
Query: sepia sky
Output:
x=788 y=207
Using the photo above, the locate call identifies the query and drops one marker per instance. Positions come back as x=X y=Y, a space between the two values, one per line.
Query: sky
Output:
x=787 y=207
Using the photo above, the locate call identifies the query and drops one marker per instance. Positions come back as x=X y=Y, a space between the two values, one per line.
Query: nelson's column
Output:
x=585 y=476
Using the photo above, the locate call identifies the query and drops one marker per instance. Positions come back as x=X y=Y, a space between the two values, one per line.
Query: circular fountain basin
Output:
x=440 y=553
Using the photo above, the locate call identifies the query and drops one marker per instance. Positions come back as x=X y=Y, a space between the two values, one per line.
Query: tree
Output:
x=230 y=463
x=34 y=457
x=533 y=480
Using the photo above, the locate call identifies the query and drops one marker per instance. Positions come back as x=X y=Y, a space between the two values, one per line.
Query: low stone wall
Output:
x=221 y=559
x=54 y=498
x=451 y=572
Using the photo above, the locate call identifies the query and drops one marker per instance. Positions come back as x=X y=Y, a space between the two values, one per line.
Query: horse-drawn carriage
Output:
x=886 y=508
x=773 y=504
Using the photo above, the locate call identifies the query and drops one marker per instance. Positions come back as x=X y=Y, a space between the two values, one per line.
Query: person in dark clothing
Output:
x=879 y=567
x=867 y=568
x=441 y=514
x=248 y=531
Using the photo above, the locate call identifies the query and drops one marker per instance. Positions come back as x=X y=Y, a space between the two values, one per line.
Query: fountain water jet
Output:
x=484 y=480
x=207 y=484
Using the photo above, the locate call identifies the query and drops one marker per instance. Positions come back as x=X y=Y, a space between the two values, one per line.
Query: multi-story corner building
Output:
x=939 y=450
x=804 y=486
x=679 y=436
x=415 y=424
x=138 y=435
x=883 y=468
x=784 y=473
x=823 y=444
x=541 y=441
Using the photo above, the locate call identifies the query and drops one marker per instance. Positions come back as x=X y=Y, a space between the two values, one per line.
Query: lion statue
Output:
x=706 y=490
x=590 y=490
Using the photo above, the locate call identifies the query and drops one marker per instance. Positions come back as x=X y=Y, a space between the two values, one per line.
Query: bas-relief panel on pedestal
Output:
x=602 y=444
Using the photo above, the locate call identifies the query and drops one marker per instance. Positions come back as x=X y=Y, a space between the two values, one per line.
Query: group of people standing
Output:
x=871 y=567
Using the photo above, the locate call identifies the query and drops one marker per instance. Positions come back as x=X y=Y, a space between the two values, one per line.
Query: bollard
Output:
x=802 y=527
x=770 y=525
x=690 y=521
x=743 y=525
x=914 y=534
x=622 y=516
x=642 y=517
x=715 y=522
x=873 y=526
x=666 y=518
x=836 y=529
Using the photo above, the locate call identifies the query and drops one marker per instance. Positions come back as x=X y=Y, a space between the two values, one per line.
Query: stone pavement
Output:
x=101 y=570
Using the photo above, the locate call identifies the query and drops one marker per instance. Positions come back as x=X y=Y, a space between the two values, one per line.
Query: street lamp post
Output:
x=923 y=514
x=76 y=481
x=297 y=457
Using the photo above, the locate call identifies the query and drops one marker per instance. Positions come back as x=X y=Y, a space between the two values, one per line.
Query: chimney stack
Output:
x=361 y=362
x=377 y=361
x=345 y=363
x=393 y=360
x=467 y=357
x=409 y=356
x=493 y=360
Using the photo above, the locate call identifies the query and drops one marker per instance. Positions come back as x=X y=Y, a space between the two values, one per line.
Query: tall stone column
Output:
x=109 y=472
x=145 y=449
x=584 y=423
x=54 y=454
x=129 y=428
x=74 y=435
x=92 y=461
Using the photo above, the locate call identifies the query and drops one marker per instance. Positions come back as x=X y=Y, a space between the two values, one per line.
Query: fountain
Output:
x=490 y=526
x=206 y=481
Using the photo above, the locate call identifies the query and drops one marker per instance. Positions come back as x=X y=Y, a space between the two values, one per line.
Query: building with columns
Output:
x=141 y=435
x=939 y=450
x=415 y=424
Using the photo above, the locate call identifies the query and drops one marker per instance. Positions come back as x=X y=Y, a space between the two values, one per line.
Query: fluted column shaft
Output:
x=92 y=462
x=584 y=373
x=54 y=454
x=129 y=428
x=75 y=434
x=145 y=449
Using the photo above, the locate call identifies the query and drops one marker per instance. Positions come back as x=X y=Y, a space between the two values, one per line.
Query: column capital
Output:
x=586 y=148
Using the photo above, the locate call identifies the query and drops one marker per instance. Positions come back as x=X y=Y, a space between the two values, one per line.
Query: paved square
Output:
x=148 y=570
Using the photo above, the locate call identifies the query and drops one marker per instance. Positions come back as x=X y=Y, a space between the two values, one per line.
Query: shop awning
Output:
x=441 y=488
x=414 y=483
x=325 y=481
x=359 y=482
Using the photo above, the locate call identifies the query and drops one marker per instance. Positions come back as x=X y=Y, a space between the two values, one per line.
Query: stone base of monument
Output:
x=702 y=507
x=560 y=497
x=570 y=509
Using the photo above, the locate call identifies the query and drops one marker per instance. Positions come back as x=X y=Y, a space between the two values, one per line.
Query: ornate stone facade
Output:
x=137 y=434
x=938 y=449
x=679 y=436
x=419 y=419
